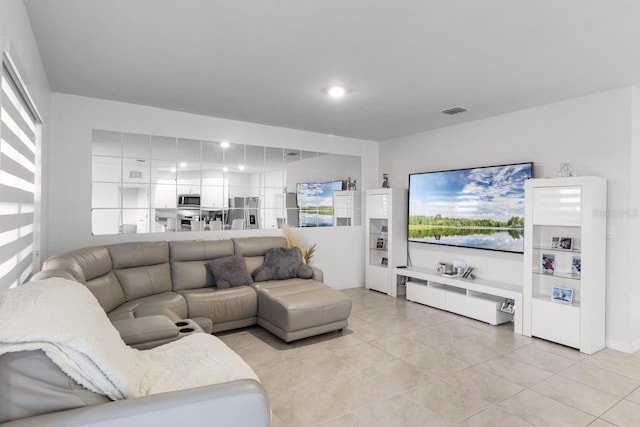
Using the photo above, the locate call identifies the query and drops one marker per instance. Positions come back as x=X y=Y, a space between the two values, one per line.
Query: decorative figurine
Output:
x=351 y=185
x=385 y=180
x=566 y=169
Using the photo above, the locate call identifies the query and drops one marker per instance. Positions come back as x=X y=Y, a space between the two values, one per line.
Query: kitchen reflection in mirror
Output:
x=152 y=184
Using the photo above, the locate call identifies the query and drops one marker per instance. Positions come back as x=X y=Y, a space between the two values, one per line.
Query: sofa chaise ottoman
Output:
x=293 y=308
x=299 y=310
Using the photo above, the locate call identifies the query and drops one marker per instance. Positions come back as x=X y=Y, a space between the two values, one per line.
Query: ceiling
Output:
x=267 y=61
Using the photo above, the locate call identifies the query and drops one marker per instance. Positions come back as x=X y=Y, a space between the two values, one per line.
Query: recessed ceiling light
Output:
x=173 y=169
x=183 y=164
x=241 y=167
x=225 y=169
x=224 y=144
x=336 y=92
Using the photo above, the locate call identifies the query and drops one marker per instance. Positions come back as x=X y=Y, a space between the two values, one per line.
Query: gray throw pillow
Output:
x=229 y=272
x=283 y=262
x=305 y=272
x=262 y=274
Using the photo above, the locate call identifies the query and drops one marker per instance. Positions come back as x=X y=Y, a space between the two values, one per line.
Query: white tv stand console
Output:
x=479 y=299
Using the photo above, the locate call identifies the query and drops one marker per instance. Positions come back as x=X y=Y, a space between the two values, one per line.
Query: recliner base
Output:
x=290 y=336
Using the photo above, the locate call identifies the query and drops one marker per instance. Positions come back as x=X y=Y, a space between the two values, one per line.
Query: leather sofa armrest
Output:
x=239 y=403
x=154 y=310
x=146 y=329
x=46 y=274
x=317 y=274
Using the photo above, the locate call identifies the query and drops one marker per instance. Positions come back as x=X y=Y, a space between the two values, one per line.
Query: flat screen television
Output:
x=480 y=208
x=315 y=203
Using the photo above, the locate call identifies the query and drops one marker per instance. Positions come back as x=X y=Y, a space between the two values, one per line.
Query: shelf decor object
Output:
x=386 y=238
x=564 y=302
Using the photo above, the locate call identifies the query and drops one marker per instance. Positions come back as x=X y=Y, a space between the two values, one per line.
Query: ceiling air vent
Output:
x=454 y=110
x=135 y=174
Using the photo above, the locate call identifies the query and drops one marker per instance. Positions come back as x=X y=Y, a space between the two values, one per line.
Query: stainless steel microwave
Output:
x=188 y=200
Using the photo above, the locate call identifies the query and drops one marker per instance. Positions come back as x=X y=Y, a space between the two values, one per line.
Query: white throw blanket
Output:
x=64 y=319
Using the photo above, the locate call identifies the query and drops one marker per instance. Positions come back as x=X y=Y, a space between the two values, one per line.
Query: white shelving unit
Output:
x=346 y=208
x=478 y=298
x=386 y=230
x=570 y=208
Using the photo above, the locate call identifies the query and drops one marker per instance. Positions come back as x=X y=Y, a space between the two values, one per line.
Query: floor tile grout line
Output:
x=554 y=374
x=609 y=370
x=401 y=312
x=497 y=407
x=563 y=375
x=576 y=408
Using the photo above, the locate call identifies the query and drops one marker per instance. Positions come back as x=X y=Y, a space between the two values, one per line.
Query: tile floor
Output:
x=404 y=364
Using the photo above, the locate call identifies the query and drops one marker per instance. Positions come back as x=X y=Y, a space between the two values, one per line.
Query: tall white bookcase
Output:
x=556 y=210
x=386 y=228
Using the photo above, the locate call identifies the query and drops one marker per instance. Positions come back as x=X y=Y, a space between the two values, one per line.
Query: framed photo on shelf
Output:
x=548 y=263
x=441 y=268
x=385 y=261
x=566 y=243
x=384 y=229
x=380 y=243
x=508 y=306
x=576 y=265
x=563 y=295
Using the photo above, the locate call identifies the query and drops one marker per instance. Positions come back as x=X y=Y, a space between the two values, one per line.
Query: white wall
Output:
x=340 y=250
x=634 y=301
x=17 y=37
x=592 y=132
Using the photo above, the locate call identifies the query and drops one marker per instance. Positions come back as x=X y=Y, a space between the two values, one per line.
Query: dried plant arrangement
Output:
x=294 y=242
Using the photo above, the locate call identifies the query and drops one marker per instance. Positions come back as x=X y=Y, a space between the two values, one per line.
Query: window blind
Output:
x=19 y=134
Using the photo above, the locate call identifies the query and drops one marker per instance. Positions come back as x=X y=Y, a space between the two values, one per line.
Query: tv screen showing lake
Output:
x=315 y=220
x=475 y=208
x=510 y=240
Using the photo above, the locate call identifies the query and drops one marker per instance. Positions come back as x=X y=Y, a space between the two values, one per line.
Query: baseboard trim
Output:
x=623 y=346
x=347 y=286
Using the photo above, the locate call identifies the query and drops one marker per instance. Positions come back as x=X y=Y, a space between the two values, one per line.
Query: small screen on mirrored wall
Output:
x=481 y=208
x=315 y=203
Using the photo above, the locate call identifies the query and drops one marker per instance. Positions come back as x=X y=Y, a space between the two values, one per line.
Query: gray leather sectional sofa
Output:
x=156 y=292
x=170 y=282
x=36 y=393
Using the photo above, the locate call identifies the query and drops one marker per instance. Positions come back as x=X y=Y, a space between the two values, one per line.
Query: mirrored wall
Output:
x=149 y=184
